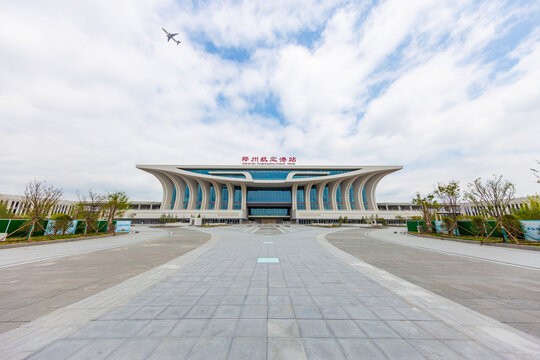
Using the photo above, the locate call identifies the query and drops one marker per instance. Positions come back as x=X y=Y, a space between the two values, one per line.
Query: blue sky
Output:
x=448 y=89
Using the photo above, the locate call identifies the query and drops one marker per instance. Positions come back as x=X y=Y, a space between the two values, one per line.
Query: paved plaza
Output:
x=266 y=292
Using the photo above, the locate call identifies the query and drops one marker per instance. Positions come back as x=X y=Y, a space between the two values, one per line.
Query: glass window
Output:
x=351 y=197
x=313 y=199
x=326 y=202
x=364 y=198
x=269 y=211
x=186 y=197
x=224 y=197
x=199 y=197
x=269 y=195
x=212 y=200
x=300 y=204
x=237 y=204
x=173 y=196
x=338 y=198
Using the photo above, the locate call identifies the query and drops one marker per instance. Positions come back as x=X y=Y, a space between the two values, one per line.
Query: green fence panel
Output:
x=80 y=227
x=490 y=225
x=465 y=228
x=412 y=225
x=102 y=226
x=14 y=227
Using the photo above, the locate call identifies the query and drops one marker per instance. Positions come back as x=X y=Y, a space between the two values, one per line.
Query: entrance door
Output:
x=269 y=221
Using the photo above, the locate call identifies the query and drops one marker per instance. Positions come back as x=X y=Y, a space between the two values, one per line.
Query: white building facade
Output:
x=302 y=194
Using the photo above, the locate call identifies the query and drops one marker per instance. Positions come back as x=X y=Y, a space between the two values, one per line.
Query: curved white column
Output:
x=320 y=194
x=167 y=186
x=307 y=196
x=180 y=186
x=230 y=188
x=370 y=189
x=345 y=189
x=192 y=187
x=217 y=191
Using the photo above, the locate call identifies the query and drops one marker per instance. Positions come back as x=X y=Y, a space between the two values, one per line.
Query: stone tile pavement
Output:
x=225 y=305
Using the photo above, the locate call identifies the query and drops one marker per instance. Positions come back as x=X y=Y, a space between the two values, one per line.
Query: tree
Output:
x=428 y=206
x=89 y=209
x=479 y=225
x=39 y=200
x=492 y=198
x=116 y=205
x=529 y=210
x=536 y=172
x=449 y=195
x=62 y=222
x=5 y=213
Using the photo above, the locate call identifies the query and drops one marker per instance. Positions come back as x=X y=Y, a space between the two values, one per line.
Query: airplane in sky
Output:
x=171 y=36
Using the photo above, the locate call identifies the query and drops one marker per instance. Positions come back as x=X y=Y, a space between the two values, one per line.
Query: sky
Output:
x=450 y=90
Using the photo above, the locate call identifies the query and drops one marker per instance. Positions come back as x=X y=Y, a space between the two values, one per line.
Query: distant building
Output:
x=15 y=203
x=471 y=209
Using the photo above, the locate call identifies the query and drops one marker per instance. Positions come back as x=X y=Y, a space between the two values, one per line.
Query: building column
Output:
x=370 y=189
x=180 y=187
x=192 y=188
x=167 y=185
x=294 y=190
x=307 y=196
x=345 y=189
x=244 y=196
x=217 y=190
x=320 y=194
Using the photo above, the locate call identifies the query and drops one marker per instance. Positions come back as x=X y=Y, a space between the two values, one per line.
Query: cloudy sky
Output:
x=448 y=89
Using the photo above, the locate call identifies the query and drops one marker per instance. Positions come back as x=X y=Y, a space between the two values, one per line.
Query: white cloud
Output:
x=89 y=89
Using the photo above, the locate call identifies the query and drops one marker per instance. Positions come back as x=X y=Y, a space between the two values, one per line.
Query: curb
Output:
x=45 y=242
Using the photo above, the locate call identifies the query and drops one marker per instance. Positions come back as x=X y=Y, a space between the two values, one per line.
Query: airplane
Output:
x=171 y=36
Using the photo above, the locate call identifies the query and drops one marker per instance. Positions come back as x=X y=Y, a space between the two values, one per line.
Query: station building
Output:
x=272 y=193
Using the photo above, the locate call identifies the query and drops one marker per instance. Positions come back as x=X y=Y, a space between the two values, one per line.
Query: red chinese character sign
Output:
x=268 y=160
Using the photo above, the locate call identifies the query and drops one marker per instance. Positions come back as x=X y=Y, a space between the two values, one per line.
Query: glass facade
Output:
x=237 y=204
x=224 y=197
x=313 y=199
x=268 y=174
x=207 y=172
x=173 y=196
x=351 y=197
x=269 y=211
x=186 y=197
x=269 y=195
x=199 y=197
x=338 y=198
x=300 y=201
x=212 y=199
x=326 y=199
x=364 y=198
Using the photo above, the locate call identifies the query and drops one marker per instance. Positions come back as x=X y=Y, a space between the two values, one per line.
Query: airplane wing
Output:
x=173 y=34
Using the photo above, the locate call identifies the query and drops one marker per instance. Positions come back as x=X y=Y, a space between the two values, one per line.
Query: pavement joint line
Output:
x=29 y=338
x=368 y=234
x=493 y=334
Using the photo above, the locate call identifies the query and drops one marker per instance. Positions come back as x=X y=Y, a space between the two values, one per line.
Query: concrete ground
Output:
x=266 y=293
x=510 y=294
x=39 y=279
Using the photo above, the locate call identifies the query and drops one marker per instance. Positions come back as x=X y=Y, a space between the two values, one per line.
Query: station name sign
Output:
x=268 y=160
